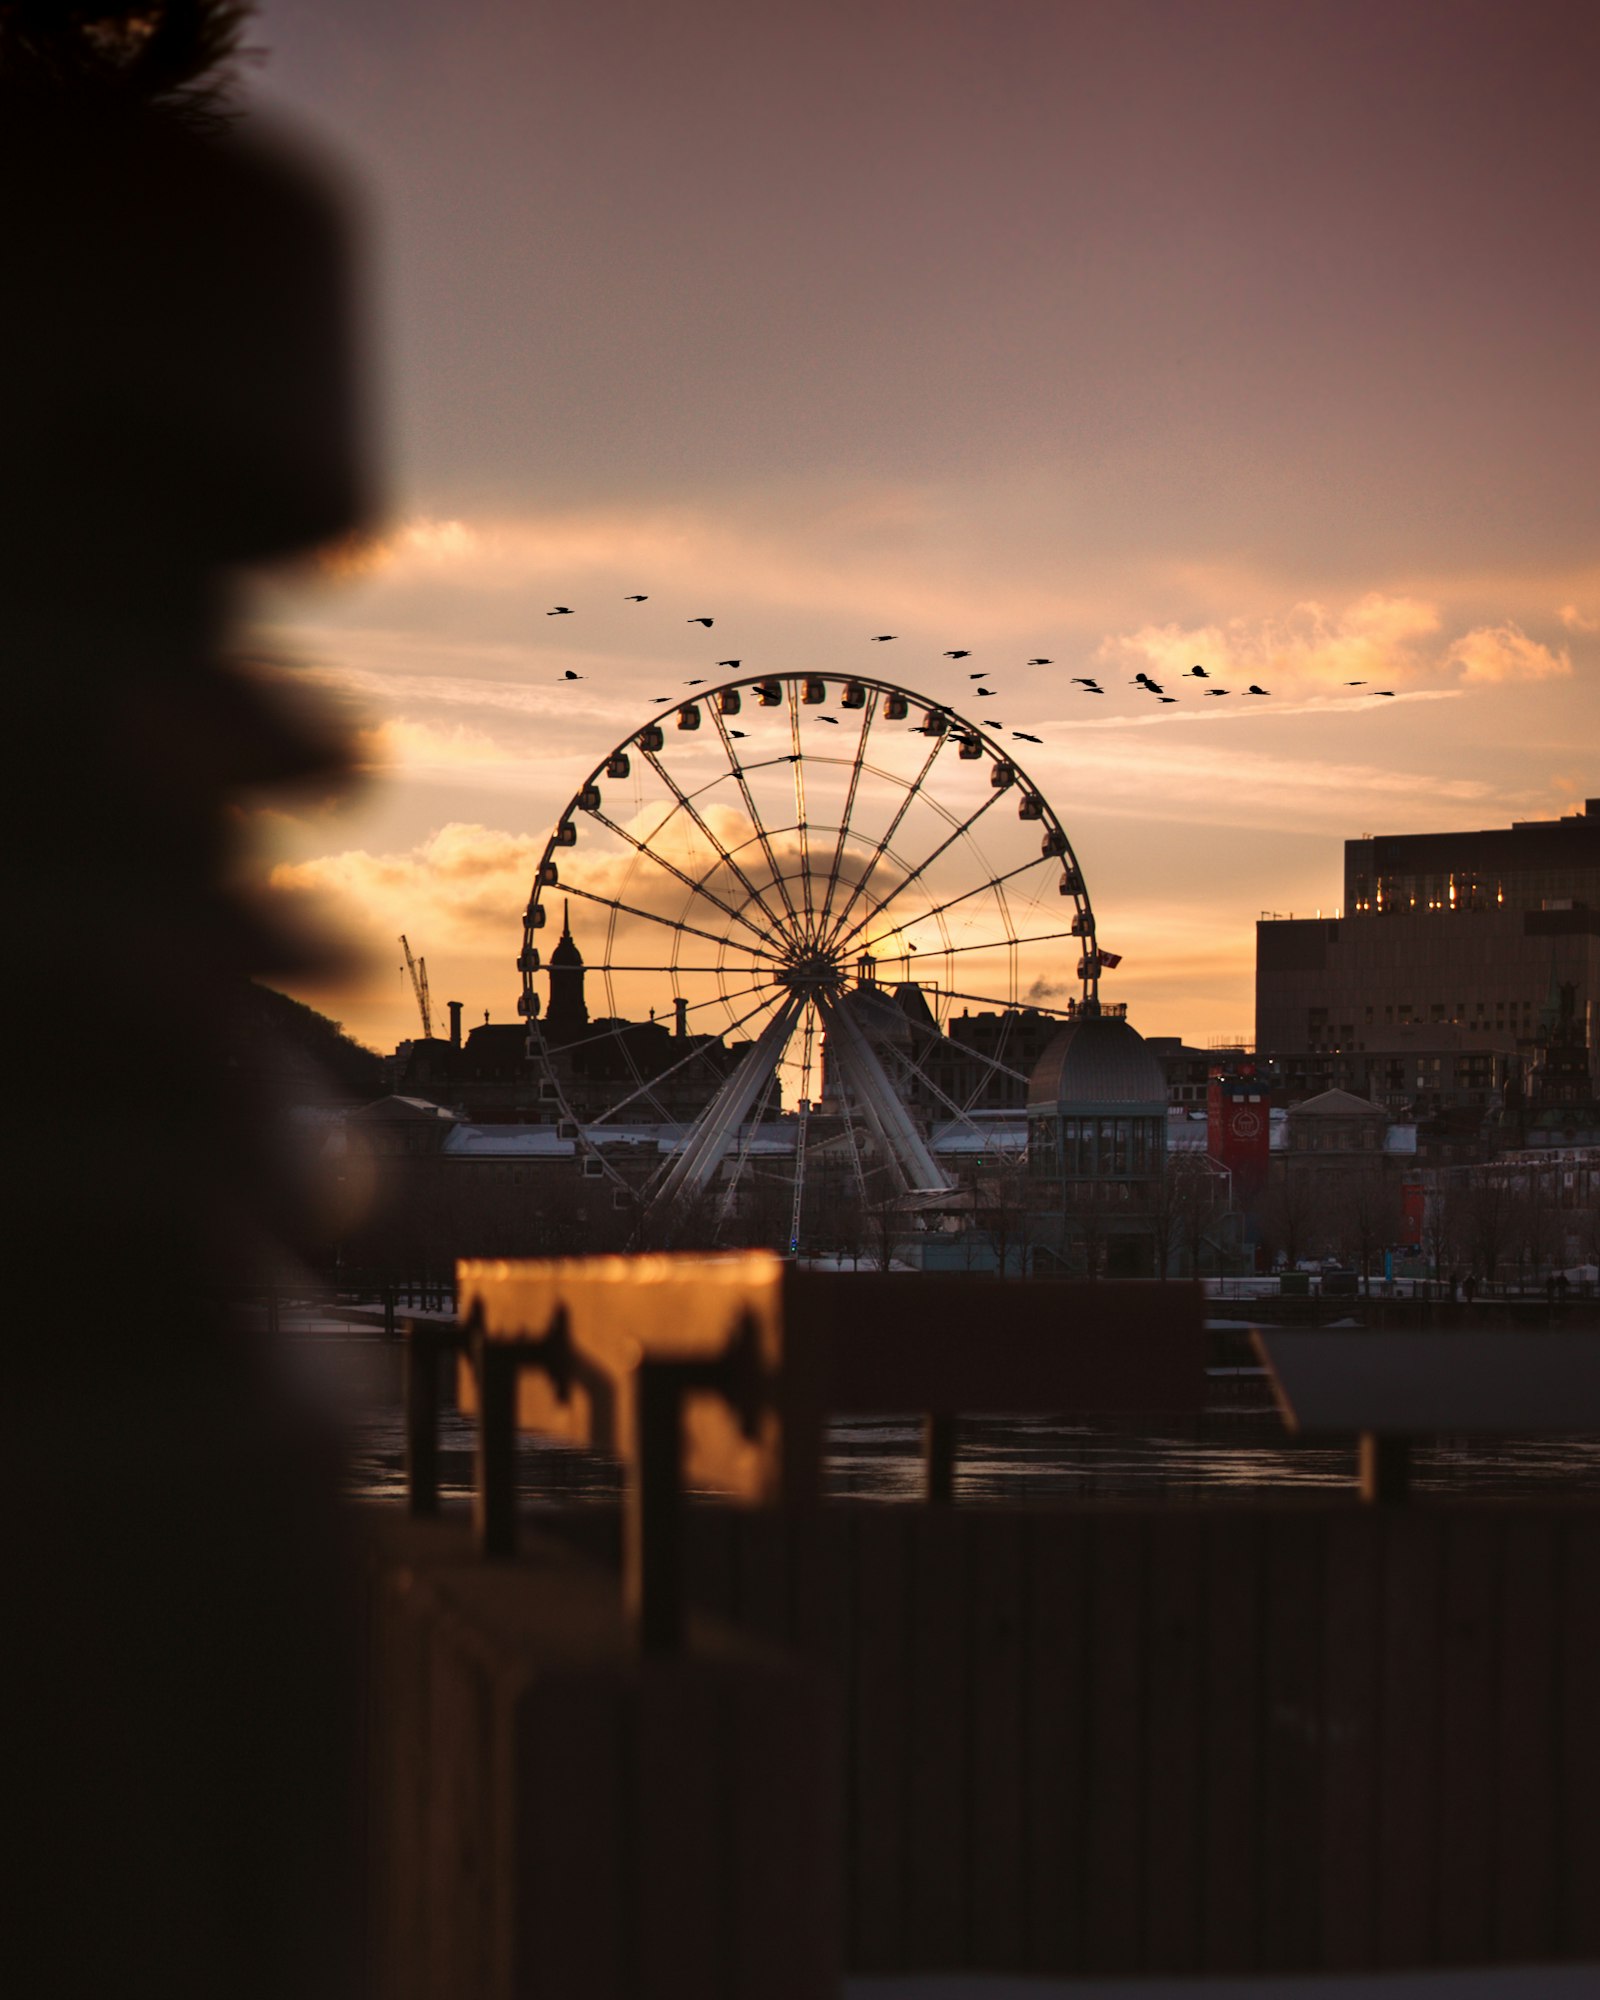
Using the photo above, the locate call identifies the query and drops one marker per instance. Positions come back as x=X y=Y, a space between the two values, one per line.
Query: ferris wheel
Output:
x=772 y=901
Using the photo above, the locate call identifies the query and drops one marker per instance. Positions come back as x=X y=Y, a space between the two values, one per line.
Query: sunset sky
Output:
x=1130 y=334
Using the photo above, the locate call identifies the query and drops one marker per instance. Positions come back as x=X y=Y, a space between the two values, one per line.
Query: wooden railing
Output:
x=720 y=1374
x=1100 y=1739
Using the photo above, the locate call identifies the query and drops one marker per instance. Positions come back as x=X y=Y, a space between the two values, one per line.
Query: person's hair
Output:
x=180 y=54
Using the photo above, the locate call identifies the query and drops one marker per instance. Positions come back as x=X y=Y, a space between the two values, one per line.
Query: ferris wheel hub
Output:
x=813 y=972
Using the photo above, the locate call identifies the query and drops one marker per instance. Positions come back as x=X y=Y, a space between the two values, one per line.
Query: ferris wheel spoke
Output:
x=979 y=889
x=869 y=710
x=921 y=869
x=688 y=805
x=967 y=1054
x=962 y=1112
x=808 y=1039
x=891 y=1122
x=623 y=1029
x=694 y=1165
x=1005 y=943
x=913 y=792
x=1010 y=1006
x=648 y=1087
x=798 y=767
x=855 y=1157
x=696 y=887
x=742 y=781
x=753 y=1125
x=667 y=923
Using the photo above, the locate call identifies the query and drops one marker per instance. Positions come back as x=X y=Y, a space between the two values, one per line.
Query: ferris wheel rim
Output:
x=952 y=723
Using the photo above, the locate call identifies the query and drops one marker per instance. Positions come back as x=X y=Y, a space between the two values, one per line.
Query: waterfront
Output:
x=1237 y=1447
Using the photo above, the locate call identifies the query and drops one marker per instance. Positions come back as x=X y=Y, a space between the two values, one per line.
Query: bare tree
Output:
x=1441 y=1225
x=1366 y=1217
x=1004 y=1210
x=1489 y=1222
x=1159 y=1200
x=1536 y=1224
x=1287 y=1216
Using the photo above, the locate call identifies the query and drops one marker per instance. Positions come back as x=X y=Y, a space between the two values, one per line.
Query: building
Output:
x=1457 y=932
x=976 y=1063
x=1534 y=864
x=1097 y=1149
x=1424 y=1071
x=567 y=1064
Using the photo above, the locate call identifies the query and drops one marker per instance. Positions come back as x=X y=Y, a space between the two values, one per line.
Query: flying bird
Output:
x=1038 y=663
x=1216 y=690
x=636 y=599
x=961 y=653
x=987 y=691
x=706 y=622
x=1199 y=673
x=694 y=684
x=829 y=718
x=1083 y=681
x=736 y=732
x=1387 y=693
x=1253 y=689
x=730 y=663
x=569 y=675
x=1023 y=736
x=1355 y=684
x=974 y=677
x=1169 y=697
x=561 y=611
x=878 y=638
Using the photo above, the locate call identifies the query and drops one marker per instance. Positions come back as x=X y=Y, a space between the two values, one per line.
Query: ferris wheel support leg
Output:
x=702 y=1152
x=889 y=1117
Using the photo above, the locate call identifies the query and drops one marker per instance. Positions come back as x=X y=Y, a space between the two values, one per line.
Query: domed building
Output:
x=1097 y=1150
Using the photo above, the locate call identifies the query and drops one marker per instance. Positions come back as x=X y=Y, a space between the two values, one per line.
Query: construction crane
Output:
x=418 y=968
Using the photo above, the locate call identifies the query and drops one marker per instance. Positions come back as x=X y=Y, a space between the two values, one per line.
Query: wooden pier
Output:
x=1104 y=1738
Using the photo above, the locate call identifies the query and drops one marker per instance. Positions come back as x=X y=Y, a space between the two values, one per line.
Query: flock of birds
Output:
x=1088 y=682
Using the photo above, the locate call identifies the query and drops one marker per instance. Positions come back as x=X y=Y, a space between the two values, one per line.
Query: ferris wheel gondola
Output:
x=776 y=890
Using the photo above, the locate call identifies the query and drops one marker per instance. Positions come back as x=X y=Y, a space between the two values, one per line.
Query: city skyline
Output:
x=1121 y=338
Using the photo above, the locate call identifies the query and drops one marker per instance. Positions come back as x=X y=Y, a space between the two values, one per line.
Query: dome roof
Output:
x=1098 y=1063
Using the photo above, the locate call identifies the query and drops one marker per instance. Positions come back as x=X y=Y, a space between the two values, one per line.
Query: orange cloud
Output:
x=404 y=745
x=1575 y=621
x=1506 y=653
x=1377 y=637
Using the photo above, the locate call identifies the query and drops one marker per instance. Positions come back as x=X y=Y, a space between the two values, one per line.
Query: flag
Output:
x=1109 y=957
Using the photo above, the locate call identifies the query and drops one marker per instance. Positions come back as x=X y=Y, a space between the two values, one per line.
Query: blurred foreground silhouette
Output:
x=176 y=384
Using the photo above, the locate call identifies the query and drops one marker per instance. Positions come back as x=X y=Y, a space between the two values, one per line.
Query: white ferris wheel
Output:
x=759 y=869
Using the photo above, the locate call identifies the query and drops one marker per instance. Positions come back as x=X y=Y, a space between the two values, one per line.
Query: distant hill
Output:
x=299 y=1054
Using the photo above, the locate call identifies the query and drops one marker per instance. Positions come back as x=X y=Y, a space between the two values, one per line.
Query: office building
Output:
x=1458 y=938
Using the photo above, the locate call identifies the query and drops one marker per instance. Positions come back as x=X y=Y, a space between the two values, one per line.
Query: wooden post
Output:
x=1385 y=1467
x=494 y=1500
x=422 y=1421
x=652 y=1539
x=939 y=1458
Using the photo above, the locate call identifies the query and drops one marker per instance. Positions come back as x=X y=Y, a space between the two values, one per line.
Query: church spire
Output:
x=568 y=1015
